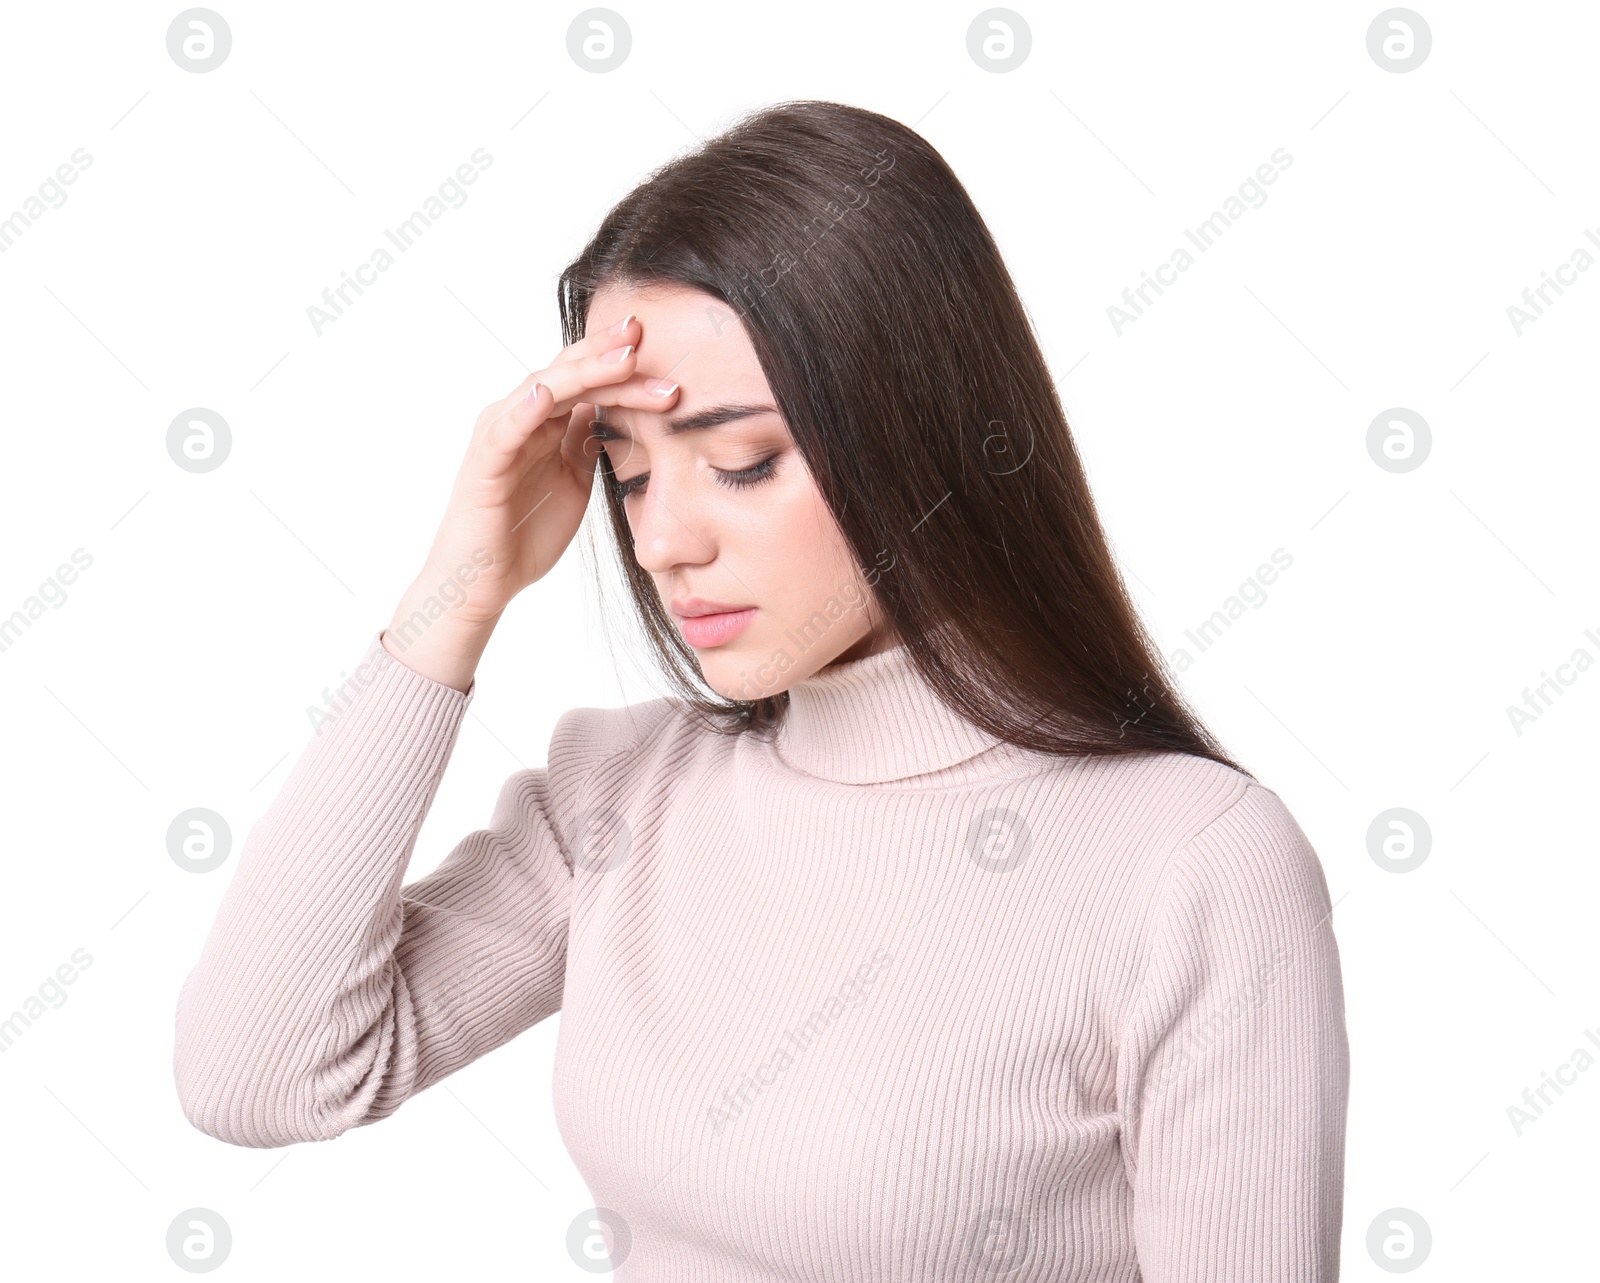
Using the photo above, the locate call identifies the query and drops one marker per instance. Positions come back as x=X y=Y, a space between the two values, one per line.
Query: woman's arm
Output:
x=326 y=993
x=1234 y=1067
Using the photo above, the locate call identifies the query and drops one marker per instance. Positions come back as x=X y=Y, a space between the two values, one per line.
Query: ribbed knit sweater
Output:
x=877 y=998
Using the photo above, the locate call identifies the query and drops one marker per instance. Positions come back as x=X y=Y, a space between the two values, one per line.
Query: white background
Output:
x=1229 y=421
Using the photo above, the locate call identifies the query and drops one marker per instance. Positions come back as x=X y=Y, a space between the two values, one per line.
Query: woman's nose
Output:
x=667 y=530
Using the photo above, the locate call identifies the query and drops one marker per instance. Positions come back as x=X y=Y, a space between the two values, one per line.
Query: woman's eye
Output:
x=751 y=476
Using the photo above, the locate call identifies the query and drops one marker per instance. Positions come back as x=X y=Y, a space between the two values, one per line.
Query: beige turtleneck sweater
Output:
x=882 y=999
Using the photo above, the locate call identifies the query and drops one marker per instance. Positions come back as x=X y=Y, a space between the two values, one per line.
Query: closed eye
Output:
x=737 y=480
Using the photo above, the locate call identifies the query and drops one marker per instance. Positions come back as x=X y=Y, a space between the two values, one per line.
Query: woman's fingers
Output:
x=570 y=380
x=560 y=388
x=578 y=446
x=601 y=369
x=593 y=378
x=624 y=330
x=589 y=381
x=515 y=418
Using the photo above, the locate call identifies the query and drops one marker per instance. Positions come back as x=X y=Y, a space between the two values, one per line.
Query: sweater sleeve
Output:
x=326 y=993
x=1233 y=1073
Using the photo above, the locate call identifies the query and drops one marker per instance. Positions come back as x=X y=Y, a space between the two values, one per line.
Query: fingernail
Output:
x=664 y=387
x=622 y=324
x=533 y=393
x=617 y=354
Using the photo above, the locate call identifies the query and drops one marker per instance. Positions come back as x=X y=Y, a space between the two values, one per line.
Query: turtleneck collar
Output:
x=871 y=720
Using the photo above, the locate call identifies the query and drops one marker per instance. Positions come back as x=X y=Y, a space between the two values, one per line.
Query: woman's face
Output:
x=725 y=514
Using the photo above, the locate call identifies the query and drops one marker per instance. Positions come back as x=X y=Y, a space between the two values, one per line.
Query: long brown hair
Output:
x=904 y=364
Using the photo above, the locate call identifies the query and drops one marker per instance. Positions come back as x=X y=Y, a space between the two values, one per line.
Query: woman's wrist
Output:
x=445 y=648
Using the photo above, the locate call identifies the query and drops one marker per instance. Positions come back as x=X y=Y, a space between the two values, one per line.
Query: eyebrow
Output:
x=711 y=417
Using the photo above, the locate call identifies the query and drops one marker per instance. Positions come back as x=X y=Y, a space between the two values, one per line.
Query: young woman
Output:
x=923 y=933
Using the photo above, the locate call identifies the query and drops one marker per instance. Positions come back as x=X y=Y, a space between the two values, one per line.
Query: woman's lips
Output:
x=703 y=631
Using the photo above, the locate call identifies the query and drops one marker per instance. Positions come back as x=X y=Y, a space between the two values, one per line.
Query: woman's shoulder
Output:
x=1170 y=805
x=1226 y=831
x=631 y=739
x=1215 y=798
x=589 y=732
x=1178 y=785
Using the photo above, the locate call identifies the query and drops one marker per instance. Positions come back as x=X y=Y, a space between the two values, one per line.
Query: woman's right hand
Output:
x=519 y=497
x=522 y=489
